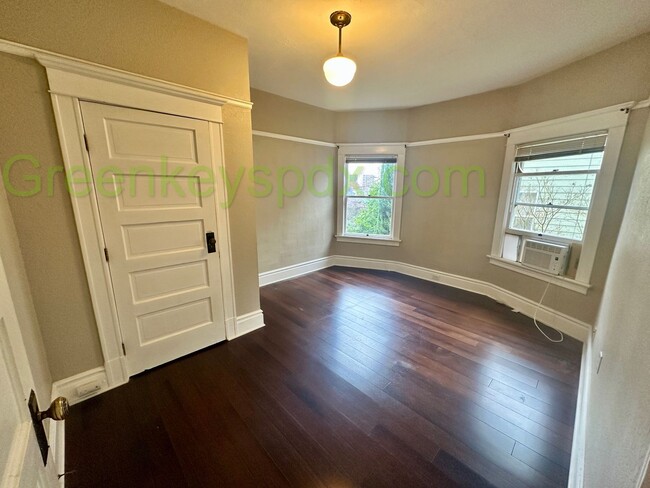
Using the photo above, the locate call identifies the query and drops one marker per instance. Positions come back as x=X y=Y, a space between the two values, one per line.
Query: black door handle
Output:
x=211 y=242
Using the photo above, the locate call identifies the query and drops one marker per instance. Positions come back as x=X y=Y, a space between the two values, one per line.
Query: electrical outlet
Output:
x=88 y=389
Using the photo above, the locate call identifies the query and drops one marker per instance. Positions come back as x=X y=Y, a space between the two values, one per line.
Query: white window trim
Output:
x=614 y=120
x=344 y=151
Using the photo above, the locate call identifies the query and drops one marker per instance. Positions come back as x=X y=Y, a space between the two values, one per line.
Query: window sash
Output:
x=546 y=205
x=548 y=236
x=541 y=235
x=518 y=176
x=361 y=234
x=392 y=160
x=514 y=203
x=360 y=160
x=370 y=196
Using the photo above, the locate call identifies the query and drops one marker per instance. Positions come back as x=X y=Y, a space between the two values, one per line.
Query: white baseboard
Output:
x=294 y=271
x=249 y=322
x=114 y=373
x=68 y=386
x=568 y=325
x=577 y=467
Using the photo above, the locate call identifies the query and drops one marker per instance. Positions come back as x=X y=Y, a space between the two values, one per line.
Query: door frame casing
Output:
x=15 y=358
x=72 y=81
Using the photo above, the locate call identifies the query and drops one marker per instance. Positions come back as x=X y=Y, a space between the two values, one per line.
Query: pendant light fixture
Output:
x=338 y=69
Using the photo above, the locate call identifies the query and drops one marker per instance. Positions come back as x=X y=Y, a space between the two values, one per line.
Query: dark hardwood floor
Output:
x=360 y=379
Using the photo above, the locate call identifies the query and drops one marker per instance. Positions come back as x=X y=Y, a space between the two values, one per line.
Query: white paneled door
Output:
x=21 y=465
x=154 y=180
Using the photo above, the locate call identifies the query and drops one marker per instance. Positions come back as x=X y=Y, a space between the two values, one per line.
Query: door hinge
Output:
x=106 y=254
x=86 y=143
x=124 y=349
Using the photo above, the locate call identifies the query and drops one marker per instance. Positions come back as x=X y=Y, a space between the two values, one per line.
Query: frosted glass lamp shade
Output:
x=339 y=70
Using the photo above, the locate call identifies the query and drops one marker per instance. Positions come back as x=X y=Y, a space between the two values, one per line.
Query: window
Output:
x=555 y=188
x=370 y=187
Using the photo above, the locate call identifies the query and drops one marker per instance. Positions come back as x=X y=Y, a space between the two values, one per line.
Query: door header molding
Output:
x=107 y=81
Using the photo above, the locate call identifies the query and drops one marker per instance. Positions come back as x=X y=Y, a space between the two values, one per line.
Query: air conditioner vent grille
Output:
x=542 y=246
x=551 y=258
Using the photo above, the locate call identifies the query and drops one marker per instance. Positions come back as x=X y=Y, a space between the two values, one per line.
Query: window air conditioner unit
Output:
x=551 y=258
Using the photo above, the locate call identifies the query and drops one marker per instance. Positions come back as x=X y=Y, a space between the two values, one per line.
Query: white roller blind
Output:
x=388 y=159
x=580 y=144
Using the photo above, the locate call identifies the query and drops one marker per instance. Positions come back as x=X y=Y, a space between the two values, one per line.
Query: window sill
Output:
x=368 y=240
x=562 y=281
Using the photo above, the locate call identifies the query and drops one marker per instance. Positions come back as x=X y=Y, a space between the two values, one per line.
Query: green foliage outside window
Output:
x=372 y=216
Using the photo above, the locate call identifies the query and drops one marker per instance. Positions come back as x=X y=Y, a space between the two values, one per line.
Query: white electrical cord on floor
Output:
x=535 y=317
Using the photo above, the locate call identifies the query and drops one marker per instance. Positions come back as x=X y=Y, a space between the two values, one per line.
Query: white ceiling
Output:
x=414 y=52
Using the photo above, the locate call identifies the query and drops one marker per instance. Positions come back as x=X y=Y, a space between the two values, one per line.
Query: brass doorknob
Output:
x=58 y=410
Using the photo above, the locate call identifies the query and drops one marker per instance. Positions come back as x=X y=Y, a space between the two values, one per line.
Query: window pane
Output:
x=372 y=216
x=559 y=222
x=370 y=179
x=559 y=190
x=577 y=162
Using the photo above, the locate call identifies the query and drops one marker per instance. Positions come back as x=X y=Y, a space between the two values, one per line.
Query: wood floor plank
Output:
x=360 y=378
x=540 y=463
x=361 y=410
x=347 y=441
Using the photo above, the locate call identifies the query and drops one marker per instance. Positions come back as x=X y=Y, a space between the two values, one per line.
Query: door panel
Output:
x=133 y=140
x=160 y=282
x=163 y=324
x=145 y=191
x=163 y=238
x=156 y=204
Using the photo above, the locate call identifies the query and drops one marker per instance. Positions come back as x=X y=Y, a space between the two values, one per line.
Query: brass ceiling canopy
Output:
x=340 y=18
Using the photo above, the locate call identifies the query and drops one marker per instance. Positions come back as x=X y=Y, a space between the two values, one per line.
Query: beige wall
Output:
x=238 y=153
x=618 y=425
x=372 y=126
x=454 y=234
x=280 y=115
x=45 y=225
x=302 y=229
x=616 y=75
x=294 y=229
x=144 y=37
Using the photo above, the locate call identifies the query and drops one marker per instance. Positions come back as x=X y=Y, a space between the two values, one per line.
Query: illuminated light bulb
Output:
x=339 y=70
